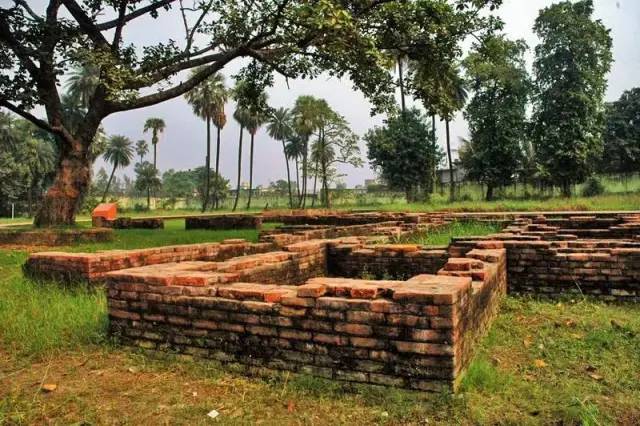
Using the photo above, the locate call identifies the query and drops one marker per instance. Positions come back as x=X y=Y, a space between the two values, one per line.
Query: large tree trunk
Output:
x=251 y=170
x=64 y=198
x=286 y=160
x=207 y=165
x=217 y=199
x=235 y=203
x=106 y=190
x=452 y=184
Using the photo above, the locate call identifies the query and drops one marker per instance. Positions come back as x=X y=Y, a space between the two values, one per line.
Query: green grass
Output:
x=443 y=236
x=589 y=373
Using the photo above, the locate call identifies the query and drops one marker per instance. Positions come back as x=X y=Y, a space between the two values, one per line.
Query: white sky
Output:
x=182 y=146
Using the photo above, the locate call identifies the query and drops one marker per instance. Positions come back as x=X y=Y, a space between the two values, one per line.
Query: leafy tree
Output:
x=119 y=153
x=402 y=152
x=207 y=100
x=497 y=112
x=622 y=135
x=280 y=128
x=294 y=147
x=147 y=179
x=294 y=38
x=27 y=158
x=336 y=144
x=142 y=149
x=100 y=182
x=179 y=184
x=570 y=70
x=306 y=115
x=156 y=126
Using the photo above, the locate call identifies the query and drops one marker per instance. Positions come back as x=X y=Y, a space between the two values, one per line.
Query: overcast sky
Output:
x=182 y=146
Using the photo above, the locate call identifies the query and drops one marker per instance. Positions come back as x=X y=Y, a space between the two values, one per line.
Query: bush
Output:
x=593 y=187
x=139 y=208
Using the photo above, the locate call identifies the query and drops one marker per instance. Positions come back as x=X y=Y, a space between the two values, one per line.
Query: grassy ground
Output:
x=442 y=236
x=574 y=362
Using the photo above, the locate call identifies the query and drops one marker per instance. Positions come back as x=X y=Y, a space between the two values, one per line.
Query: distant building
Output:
x=444 y=177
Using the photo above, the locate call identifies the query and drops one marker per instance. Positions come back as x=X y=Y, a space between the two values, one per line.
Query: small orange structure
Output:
x=104 y=212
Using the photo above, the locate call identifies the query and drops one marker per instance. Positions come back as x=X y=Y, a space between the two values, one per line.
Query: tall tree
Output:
x=142 y=149
x=147 y=179
x=305 y=122
x=622 y=135
x=401 y=151
x=279 y=128
x=119 y=153
x=207 y=99
x=570 y=70
x=497 y=113
x=294 y=38
x=156 y=126
x=336 y=144
x=258 y=113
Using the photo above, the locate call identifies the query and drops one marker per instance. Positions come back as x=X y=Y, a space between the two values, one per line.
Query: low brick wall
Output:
x=91 y=267
x=232 y=221
x=54 y=237
x=416 y=334
x=384 y=261
x=138 y=223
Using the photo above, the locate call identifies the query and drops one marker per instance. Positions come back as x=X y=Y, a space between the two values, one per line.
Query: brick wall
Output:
x=73 y=267
x=414 y=334
x=49 y=237
x=390 y=261
x=231 y=221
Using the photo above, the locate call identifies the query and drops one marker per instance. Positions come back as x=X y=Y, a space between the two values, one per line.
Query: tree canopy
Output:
x=347 y=38
x=570 y=70
x=497 y=112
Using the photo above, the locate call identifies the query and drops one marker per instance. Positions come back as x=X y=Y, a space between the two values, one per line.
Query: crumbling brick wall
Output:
x=400 y=333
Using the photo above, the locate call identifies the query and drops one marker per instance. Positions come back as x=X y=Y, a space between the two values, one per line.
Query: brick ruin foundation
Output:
x=339 y=300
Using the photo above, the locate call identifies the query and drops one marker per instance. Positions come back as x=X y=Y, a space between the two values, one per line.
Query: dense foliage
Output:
x=404 y=154
x=570 y=70
x=621 y=152
x=497 y=112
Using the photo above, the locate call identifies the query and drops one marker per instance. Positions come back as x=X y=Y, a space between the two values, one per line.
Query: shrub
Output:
x=593 y=187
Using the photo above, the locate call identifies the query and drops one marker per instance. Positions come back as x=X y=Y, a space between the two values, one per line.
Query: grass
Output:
x=574 y=362
x=443 y=236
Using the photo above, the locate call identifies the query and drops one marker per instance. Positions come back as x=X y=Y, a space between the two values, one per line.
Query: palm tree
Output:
x=242 y=116
x=305 y=122
x=82 y=83
x=157 y=126
x=207 y=101
x=119 y=153
x=279 y=128
x=257 y=117
x=294 y=148
x=142 y=149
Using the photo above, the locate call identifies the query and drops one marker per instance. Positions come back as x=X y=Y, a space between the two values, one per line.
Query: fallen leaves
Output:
x=48 y=387
x=540 y=363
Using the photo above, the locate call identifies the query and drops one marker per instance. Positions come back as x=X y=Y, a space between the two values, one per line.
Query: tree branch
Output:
x=86 y=24
x=133 y=15
x=30 y=11
x=178 y=90
x=61 y=131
